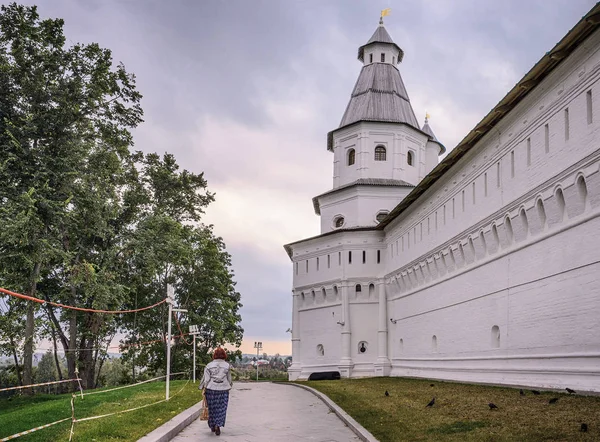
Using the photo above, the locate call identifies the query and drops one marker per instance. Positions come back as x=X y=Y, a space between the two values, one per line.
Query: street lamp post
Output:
x=258 y=347
x=170 y=301
x=194 y=331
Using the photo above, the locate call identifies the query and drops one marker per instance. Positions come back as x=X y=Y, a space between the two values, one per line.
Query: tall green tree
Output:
x=58 y=104
x=171 y=246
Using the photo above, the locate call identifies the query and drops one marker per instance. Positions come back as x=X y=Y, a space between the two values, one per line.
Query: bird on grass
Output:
x=570 y=391
x=386 y=393
x=430 y=404
x=431 y=385
x=493 y=406
x=521 y=392
x=535 y=392
x=554 y=400
x=583 y=428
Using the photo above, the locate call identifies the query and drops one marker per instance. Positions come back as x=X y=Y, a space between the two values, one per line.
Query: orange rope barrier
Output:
x=81 y=309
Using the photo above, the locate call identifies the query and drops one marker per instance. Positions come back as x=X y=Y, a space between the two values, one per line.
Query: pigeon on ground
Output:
x=521 y=392
x=386 y=393
x=583 y=428
x=535 y=392
x=570 y=391
x=431 y=385
x=554 y=400
x=430 y=404
x=493 y=406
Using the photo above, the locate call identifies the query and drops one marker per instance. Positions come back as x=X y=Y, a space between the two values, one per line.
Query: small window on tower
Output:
x=338 y=222
x=351 y=157
x=393 y=60
x=380 y=153
x=383 y=58
x=410 y=158
x=370 y=58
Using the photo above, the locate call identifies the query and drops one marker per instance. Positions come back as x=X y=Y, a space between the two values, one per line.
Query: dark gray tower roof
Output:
x=379 y=95
x=427 y=129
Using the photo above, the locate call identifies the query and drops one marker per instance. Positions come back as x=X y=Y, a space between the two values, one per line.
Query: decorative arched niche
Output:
x=371 y=291
x=320 y=350
x=495 y=338
x=363 y=346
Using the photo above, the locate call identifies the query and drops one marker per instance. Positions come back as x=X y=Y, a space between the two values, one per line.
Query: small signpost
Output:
x=194 y=331
x=170 y=301
x=258 y=347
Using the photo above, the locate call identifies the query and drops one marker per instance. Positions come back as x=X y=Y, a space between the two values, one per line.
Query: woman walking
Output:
x=217 y=382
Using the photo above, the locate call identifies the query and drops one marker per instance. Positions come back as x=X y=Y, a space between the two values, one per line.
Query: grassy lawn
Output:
x=23 y=413
x=461 y=411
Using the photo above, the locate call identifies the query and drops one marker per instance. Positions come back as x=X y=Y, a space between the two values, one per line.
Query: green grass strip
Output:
x=461 y=411
x=23 y=413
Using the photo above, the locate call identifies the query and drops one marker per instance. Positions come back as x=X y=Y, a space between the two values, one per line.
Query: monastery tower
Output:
x=380 y=152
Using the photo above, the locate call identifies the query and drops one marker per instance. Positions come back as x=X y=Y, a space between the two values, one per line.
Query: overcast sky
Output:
x=246 y=91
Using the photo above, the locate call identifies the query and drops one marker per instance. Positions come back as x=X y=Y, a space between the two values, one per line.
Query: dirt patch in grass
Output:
x=461 y=411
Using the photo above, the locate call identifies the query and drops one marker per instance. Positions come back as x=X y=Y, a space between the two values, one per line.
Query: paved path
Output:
x=268 y=412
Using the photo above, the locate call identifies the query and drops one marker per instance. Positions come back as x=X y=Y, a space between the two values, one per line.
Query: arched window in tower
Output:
x=380 y=153
x=370 y=58
x=410 y=158
x=351 y=157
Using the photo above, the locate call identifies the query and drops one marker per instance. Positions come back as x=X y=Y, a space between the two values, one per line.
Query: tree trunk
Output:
x=29 y=333
x=102 y=359
x=56 y=360
x=71 y=353
x=16 y=358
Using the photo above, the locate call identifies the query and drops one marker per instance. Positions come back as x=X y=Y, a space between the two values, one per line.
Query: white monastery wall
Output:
x=363 y=314
x=491 y=176
x=521 y=255
x=319 y=328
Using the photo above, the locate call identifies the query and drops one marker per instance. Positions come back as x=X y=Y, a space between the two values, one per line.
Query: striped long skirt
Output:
x=217 y=401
